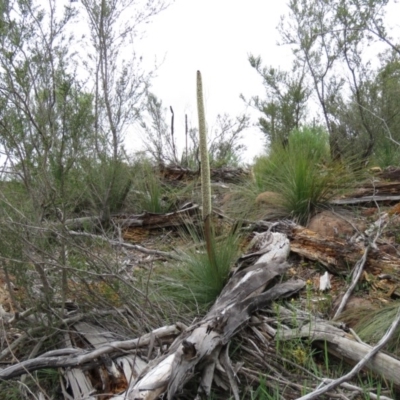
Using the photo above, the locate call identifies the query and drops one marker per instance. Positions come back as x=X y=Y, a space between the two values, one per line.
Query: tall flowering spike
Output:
x=205 y=164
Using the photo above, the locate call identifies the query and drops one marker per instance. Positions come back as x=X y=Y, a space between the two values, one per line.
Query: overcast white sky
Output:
x=215 y=37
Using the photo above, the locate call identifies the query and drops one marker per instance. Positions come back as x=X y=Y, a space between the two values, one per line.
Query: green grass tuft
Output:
x=372 y=325
x=149 y=193
x=197 y=281
x=302 y=174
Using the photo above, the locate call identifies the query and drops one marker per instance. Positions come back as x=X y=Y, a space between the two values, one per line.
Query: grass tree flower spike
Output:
x=205 y=170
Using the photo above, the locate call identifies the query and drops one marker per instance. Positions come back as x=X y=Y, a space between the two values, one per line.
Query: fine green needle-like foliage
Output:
x=372 y=325
x=149 y=193
x=386 y=155
x=301 y=173
x=197 y=280
x=109 y=182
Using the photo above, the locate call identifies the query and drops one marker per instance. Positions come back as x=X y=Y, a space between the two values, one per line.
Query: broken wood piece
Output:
x=113 y=380
x=76 y=380
x=340 y=344
x=339 y=255
x=199 y=347
x=324 y=282
x=73 y=357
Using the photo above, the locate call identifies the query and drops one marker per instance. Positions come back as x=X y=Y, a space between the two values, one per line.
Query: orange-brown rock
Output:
x=328 y=224
x=368 y=212
x=395 y=210
x=355 y=307
x=268 y=198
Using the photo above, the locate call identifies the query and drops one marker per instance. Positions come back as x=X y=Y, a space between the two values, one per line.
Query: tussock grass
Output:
x=197 y=281
x=371 y=325
x=302 y=174
x=149 y=193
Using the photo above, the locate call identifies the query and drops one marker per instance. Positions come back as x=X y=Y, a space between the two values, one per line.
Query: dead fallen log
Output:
x=144 y=220
x=156 y=221
x=366 y=199
x=342 y=345
x=372 y=192
x=200 y=347
x=73 y=357
x=176 y=173
x=378 y=189
x=339 y=255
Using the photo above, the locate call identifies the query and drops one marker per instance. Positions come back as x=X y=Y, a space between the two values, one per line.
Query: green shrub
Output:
x=386 y=154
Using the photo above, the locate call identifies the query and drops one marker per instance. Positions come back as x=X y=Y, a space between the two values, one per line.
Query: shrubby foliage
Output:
x=63 y=118
x=225 y=143
x=285 y=106
x=335 y=45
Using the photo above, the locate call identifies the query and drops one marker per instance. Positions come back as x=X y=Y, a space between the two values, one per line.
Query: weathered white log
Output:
x=341 y=345
x=364 y=199
x=199 y=347
x=76 y=357
x=76 y=380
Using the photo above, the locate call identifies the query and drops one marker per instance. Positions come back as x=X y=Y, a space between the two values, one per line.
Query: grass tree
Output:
x=302 y=174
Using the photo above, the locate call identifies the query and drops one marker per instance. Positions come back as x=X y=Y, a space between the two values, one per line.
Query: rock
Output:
x=268 y=198
x=355 y=307
x=328 y=224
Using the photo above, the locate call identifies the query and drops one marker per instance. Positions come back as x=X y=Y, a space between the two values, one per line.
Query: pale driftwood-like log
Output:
x=340 y=344
x=339 y=255
x=199 y=348
x=73 y=357
x=367 y=359
x=365 y=199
